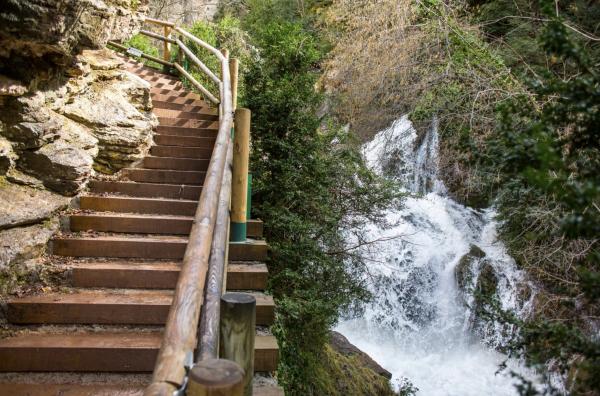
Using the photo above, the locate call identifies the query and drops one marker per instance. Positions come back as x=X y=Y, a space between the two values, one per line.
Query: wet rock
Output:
x=487 y=284
x=20 y=244
x=341 y=345
x=23 y=205
x=465 y=267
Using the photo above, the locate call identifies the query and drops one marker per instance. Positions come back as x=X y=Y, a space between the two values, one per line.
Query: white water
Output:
x=419 y=325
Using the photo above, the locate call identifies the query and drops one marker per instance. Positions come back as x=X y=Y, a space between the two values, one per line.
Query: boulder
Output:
x=117 y=111
x=20 y=244
x=23 y=205
x=61 y=166
x=341 y=345
x=463 y=271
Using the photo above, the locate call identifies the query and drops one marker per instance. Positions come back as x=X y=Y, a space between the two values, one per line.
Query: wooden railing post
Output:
x=236 y=338
x=166 y=44
x=233 y=72
x=216 y=377
x=239 y=188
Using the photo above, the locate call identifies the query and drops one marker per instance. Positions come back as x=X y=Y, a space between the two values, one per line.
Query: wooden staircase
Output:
x=123 y=250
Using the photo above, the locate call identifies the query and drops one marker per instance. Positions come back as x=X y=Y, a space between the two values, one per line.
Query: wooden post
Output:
x=236 y=340
x=180 y=59
x=239 y=188
x=216 y=377
x=167 y=45
x=233 y=72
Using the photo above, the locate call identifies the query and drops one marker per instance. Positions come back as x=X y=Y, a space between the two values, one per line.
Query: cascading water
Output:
x=421 y=324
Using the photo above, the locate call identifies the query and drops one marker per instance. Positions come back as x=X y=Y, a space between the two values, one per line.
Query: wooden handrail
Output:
x=158 y=22
x=201 y=43
x=208 y=340
x=180 y=334
x=146 y=56
x=196 y=84
x=158 y=36
x=198 y=62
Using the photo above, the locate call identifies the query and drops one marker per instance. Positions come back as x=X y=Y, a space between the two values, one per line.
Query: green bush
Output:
x=312 y=189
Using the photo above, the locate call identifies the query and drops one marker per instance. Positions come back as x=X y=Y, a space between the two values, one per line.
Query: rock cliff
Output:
x=68 y=110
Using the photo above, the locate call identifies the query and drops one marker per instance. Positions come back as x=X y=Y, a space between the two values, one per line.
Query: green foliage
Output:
x=144 y=44
x=311 y=188
x=548 y=158
x=225 y=33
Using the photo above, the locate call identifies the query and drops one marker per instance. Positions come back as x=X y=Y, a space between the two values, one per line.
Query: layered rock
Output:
x=36 y=36
x=100 y=119
x=67 y=110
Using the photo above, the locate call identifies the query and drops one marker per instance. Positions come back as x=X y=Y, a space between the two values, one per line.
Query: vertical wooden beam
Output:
x=216 y=377
x=236 y=341
x=233 y=72
x=167 y=45
x=239 y=188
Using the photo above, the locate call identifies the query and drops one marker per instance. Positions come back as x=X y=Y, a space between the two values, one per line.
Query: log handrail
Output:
x=207 y=246
x=184 y=50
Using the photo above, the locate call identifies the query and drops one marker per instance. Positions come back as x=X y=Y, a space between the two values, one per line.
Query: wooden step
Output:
x=185 y=141
x=110 y=307
x=181 y=152
x=101 y=352
x=154 y=247
x=175 y=163
x=159 y=275
x=164 y=176
x=187 y=123
x=173 y=93
x=148 y=190
x=182 y=131
x=166 y=84
x=102 y=389
x=159 y=100
x=140 y=224
x=187 y=115
x=130 y=223
x=177 y=207
x=66 y=389
x=195 y=106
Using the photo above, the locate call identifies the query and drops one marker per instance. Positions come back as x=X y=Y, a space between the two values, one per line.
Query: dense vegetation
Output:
x=311 y=187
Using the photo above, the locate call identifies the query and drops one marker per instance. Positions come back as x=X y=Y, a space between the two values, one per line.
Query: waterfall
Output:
x=421 y=325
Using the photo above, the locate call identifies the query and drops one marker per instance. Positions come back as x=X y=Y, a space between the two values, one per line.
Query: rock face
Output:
x=23 y=205
x=67 y=110
x=341 y=345
x=37 y=35
x=99 y=119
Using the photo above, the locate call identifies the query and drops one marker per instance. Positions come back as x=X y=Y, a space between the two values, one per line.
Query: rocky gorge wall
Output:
x=68 y=112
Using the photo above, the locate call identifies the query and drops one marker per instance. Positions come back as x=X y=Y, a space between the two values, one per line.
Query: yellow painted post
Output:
x=167 y=45
x=239 y=183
